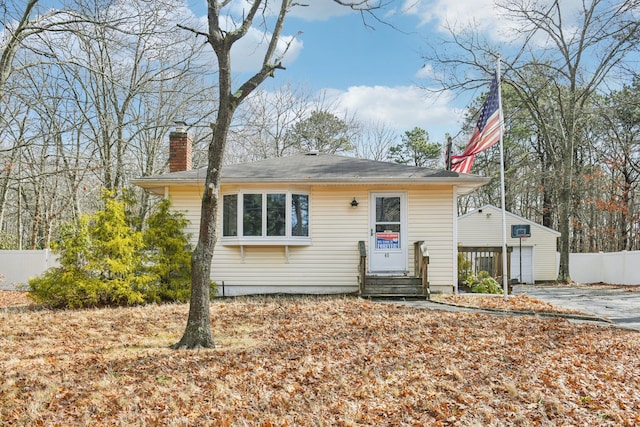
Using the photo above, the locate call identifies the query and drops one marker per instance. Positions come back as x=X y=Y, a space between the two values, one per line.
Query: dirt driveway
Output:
x=619 y=304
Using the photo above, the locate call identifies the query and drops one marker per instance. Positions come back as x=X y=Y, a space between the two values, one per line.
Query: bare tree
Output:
x=266 y=120
x=621 y=153
x=134 y=64
x=224 y=30
x=22 y=21
x=374 y=140
x=575 y=51
x=19 y=136
x=95 y=87
x=609 y=34
x=18 y=24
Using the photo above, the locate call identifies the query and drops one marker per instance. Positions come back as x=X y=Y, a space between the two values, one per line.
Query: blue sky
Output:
x=342 y=52
x=372 y=73
x=376 y=74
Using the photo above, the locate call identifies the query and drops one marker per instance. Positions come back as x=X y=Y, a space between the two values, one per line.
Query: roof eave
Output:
x=475 y=181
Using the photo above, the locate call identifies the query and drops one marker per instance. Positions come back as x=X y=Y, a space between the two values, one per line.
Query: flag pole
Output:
x=505 y=278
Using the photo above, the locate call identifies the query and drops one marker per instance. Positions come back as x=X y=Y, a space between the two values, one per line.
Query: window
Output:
x=265 y=217
x=387 y=214
x=276 y=214
x=230 y=215
x=252 y=215
x=299 y=215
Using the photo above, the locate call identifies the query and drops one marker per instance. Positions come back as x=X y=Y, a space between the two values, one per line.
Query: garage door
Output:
x=527 y=264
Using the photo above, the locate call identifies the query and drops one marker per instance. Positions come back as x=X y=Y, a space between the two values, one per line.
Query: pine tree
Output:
x=169 y=255
x=102 y=262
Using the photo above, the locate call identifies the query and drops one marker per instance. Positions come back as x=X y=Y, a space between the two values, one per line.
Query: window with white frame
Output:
x=265 y=216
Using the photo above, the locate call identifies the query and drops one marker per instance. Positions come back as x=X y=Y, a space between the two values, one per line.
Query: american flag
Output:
x=486 y=133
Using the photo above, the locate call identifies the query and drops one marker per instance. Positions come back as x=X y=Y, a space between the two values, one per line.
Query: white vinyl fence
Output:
x=16 y=267
x=616 y=268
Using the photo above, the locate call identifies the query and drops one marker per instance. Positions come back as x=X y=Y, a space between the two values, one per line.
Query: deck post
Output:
x=362 y=266
x=421 y=265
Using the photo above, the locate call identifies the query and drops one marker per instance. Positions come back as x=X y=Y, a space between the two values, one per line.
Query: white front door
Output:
x=388 y=242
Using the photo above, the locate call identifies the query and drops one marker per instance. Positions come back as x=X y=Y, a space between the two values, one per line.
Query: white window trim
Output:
x=264 y=240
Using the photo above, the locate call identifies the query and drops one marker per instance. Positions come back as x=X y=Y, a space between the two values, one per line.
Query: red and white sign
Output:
x=387 y=240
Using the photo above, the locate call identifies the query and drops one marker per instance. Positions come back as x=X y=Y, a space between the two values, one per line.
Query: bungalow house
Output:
x=482 y=227
x=319 y=224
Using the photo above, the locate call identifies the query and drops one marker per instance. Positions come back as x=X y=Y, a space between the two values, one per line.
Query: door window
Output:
x=388 y=222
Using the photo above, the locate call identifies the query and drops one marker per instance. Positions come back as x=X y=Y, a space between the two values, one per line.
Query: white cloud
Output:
x=425 y=72
x=484 y=16
x=402 y=107
x=310 y=10
x=318 y=10
x=456 y=14
x=247 y=53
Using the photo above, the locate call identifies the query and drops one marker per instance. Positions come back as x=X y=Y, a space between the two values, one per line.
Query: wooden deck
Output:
x=396 y=286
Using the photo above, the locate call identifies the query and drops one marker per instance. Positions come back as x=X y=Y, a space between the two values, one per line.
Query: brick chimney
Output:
x=180 y=156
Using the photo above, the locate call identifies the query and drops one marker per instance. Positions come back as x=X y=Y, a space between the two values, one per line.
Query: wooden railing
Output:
x=483 y=258
x=421 y=265
x=362 y=267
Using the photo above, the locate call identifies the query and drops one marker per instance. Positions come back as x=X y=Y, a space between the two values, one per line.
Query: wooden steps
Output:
x=392 y=287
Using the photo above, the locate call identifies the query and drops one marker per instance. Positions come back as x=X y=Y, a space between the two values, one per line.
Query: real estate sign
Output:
x=388 y=240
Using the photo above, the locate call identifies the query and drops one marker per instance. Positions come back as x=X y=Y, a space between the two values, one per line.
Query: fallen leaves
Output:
x=601 y=285
x=314 y=361
x=497 y=302
x=13 y=299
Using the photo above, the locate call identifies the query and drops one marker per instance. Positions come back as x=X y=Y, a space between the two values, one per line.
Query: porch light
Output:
x=354 y=203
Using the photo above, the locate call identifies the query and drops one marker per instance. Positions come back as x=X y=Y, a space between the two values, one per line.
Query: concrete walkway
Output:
x=619 y=305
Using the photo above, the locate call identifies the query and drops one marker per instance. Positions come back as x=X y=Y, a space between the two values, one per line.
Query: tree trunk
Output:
x=624 y=216
x=566 y=192
x=198 y=331
x=198 y=334
x=546 y=182
x=565 y=195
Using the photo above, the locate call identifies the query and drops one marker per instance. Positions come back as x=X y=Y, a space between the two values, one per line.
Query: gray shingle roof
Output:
x=318 y=168
x=324 y=167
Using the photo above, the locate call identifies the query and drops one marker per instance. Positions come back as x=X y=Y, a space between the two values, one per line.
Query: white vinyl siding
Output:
x=329 y=264
x=188 y=201
x=431 y=219
x=485 y=229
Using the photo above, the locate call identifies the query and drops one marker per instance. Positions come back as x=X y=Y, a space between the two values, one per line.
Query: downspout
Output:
x=455 y=239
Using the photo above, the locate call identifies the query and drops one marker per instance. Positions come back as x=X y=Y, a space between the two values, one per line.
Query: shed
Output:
x=320 y=223
x=539 y=254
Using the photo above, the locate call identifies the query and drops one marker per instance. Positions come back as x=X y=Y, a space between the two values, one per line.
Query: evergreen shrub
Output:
x=105 y=261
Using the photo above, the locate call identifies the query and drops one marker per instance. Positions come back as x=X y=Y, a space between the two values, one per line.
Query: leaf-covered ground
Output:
x=14 y=299
x=497 y=302
x=626 y=288
x=314 y=361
